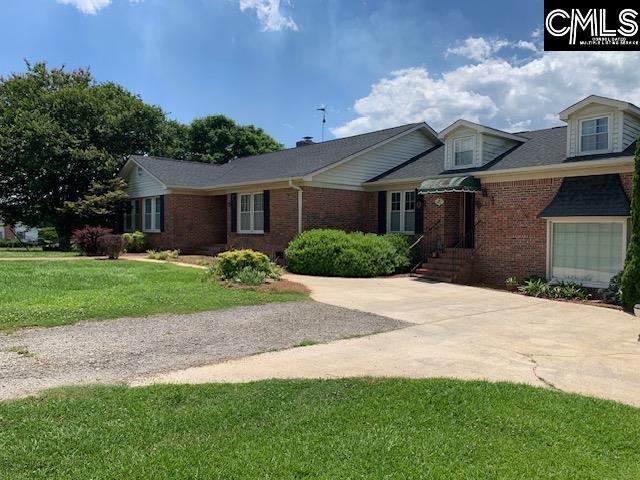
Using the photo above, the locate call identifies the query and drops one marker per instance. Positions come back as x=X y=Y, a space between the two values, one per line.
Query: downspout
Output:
x=295 y=187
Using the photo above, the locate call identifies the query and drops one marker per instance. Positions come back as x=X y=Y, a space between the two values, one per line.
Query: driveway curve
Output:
x=460 y=332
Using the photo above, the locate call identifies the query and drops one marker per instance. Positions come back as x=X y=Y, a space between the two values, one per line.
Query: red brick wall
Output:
x=347 y=210
x=191 y=222
x=8 y=234
x=322 y=208
x=627 y=183
x=283 y=225
x=449 y=215
x=511 y=240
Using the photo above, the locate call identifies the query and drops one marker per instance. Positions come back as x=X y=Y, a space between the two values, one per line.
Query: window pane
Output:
x=587 y=252
x=394 y=224
x=409 y=221
x=147 y=214
x=395 y=201
x=410 y=200
x=464 y=158
x=595 y=134
x=158 y=221
x=258 y=202
x=245 y=221
x=245 y=203
x=258 y=221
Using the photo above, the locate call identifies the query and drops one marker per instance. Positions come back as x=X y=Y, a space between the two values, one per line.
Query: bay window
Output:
x=594 y=135
x=402 y=212
x=587 y=251
x=251 y=213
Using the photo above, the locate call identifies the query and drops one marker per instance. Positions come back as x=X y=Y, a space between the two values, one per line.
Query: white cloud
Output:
x=510 y=94
x=480 y=49
x=269 y=15
x=90 y=7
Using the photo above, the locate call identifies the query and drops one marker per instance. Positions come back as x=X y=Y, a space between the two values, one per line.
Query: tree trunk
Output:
x=64 y=237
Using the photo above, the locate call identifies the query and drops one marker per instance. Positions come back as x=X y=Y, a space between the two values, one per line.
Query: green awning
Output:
x=450 y=184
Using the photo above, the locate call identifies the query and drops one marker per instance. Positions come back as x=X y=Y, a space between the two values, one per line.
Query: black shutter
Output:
x=233 y=204
x=266 y=195
x=161 y=213
x=382 y=212
x=419 y=228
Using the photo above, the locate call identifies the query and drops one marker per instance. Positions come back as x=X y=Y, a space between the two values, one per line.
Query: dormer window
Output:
x=594 y=135
x=463 y=151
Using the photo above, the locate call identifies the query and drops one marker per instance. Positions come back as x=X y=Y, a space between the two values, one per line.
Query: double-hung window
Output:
x=151 y=214
x=463 y=151
x=251 y=213
x=130 y=217
x=402 y=212
x=594 y=135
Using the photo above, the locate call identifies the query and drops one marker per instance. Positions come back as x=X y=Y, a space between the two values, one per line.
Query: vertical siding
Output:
x=143 y=185
x=377 y=161
x=630 y=130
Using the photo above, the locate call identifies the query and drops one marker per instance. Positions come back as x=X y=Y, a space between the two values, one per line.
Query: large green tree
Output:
x=61 y=132
x=631 y=274
x=216 y=139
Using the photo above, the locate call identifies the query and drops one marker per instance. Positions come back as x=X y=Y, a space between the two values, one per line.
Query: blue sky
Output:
x=375 y=63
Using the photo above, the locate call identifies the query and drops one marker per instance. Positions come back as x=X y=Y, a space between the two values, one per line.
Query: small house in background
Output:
x=24 y=233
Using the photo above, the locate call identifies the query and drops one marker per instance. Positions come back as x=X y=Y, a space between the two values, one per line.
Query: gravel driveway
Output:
x=115 y=351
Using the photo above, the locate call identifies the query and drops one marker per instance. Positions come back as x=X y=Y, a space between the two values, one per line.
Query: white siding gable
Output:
x=493 y=147
x=377 y=161
x=630 y=130
x=141 y=184
x=595 y=110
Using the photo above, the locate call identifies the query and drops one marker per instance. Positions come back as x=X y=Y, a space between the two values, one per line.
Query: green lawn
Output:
x=60 y=292
x=331 y=429
x=33 y=252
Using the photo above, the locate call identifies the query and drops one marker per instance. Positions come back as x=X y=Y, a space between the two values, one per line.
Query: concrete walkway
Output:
x=458 y=331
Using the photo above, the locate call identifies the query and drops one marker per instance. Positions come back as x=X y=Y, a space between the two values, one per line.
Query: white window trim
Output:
x=551 y=221
x=473 y=151
x=154 y=228
x=609 y=149
x=251 y=231
x=402 y=211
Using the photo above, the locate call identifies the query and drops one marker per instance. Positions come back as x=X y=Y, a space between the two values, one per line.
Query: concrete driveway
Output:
x=458 y=331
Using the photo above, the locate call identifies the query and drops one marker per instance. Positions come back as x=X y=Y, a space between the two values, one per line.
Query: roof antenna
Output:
x=323 y=109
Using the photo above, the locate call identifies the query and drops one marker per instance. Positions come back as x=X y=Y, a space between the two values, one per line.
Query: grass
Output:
x=33 y=252
x=322 y=429
x=42 y=293
x=22 y=351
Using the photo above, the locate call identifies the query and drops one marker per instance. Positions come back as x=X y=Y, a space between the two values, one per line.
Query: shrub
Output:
x=134 y=242
x=111 y=245
x=163 y=254
x=540 y=287
x=404 y=256
x=4 y=243
x=47 y=236
x=511 y=283
x=630 y=294
x=244 y=266
x=86 y=239
x=250 y=276
x=613 y=293
x=341 y=254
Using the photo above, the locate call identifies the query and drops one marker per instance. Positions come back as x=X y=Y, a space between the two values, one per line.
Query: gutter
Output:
x=296 y=187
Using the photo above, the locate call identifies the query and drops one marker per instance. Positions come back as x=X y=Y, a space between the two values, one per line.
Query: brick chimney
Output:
x=304 y=142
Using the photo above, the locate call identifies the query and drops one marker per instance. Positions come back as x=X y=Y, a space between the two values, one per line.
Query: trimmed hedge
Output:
x=336 y=253
x=244 y=266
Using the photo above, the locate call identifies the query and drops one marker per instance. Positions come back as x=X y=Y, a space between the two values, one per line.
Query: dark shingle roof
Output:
x=543 y=147
x=285 y=164
x=591 y=196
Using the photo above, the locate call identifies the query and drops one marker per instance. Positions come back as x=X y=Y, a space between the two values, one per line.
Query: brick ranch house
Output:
x=482 y=203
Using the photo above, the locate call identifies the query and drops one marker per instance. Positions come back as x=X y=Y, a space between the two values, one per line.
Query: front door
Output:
x=469 y=220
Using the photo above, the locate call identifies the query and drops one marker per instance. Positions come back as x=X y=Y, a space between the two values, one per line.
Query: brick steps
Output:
x=446 y=266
